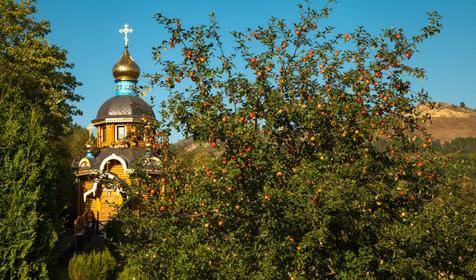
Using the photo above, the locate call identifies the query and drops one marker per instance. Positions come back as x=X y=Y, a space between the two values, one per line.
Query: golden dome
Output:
x=126 y=69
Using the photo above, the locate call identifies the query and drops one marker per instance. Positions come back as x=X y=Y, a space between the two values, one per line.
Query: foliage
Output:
x=131 y=271
x=38 y=69
x=463 y=151
x=35 y=91
x=75 y=141
x=92 y=265
x=458 y=145
x=300 y=188
x=26 y=231
x=192 y=153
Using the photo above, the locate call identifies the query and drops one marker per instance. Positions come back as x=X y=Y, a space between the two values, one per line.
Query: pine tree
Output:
x=35 y=91
x=27 y=176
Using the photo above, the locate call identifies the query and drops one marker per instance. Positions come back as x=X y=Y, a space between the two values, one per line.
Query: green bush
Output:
x=132 y=271
x=93 y=265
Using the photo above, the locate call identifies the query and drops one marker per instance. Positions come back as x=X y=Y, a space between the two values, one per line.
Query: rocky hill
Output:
x=449 y=122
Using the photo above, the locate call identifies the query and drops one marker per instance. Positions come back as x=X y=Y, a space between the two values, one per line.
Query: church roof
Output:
x=129 y=155
x=124 y=106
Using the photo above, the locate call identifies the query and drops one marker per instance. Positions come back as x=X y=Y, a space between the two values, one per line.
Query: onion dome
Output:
x=126 y=69
x=89 y=148
x=124 y=106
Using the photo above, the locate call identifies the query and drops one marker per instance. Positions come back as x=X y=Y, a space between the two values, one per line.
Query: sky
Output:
x=88 y=30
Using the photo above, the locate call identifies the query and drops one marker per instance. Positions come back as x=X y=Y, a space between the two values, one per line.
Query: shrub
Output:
x=92 y=265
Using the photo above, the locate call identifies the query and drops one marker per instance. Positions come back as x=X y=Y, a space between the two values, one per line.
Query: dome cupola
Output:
x=125 y=106
x=126 y=69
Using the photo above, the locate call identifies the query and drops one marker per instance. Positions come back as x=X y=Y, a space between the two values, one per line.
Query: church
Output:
x=105 y=170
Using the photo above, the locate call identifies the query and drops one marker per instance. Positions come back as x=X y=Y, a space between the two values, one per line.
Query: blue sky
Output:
x=88 y=29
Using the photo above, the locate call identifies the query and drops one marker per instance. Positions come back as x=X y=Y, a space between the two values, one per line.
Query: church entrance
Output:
x=110 y=200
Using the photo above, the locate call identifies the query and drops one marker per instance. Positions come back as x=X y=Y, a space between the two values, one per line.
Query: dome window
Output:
x=120 y=132
x=103 y=134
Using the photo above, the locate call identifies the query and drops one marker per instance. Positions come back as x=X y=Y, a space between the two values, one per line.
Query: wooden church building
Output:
x=106 y=168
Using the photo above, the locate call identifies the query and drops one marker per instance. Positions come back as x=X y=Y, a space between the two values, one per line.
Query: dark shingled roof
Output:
x=128 y=154
x=125 y=106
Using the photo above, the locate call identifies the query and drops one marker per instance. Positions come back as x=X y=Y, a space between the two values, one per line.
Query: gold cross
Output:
x=126 y=30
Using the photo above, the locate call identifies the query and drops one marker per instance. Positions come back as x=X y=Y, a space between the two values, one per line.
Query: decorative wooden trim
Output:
x=86 y=160
x=116 y=157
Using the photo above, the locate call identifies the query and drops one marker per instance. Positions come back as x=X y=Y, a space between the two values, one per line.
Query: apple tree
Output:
x=323 y=166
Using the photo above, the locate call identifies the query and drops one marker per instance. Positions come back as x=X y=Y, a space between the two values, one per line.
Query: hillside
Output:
x=449 y=122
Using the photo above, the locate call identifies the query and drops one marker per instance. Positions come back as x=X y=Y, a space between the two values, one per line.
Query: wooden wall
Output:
x=110 y=140
x=105 y=204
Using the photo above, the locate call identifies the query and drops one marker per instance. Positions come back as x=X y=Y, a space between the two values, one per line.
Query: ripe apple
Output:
x=266 y=196
x=248 y=148
x=213 y=144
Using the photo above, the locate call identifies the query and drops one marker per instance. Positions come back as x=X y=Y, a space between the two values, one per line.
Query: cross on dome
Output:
x=125 y=30
x=90 y=128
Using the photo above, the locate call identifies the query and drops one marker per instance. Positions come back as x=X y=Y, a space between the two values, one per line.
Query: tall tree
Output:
x=301 y=188
x=35 y=110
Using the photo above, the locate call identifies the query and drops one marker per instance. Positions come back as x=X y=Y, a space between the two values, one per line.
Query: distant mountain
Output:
x=450 y=121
